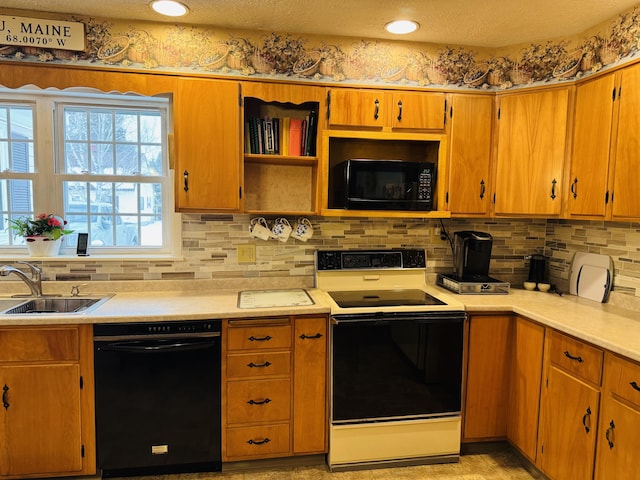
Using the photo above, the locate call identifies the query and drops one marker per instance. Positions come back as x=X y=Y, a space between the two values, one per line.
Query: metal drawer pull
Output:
x=571 y=357
x=304 y=337
x=609 y=432
x=553 y=189
x=584 y=419
x=259 y=442
x=5 y=402
x=399 y=110
x=635 y=386
x=483 y=189
x=377 y=110
x=186 y=181
x=259 y=339
x=259 y=402
x=574 y=187
x=258 y=365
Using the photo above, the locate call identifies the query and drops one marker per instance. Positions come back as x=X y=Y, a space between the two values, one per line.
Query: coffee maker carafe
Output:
x=471 y=255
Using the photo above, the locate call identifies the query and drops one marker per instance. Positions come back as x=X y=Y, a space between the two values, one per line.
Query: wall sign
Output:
x=41 y=33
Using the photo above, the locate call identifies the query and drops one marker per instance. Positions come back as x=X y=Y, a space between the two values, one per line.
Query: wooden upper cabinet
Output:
x=386 y=110
x=588 y=190
x=625 y=199
x=417 y=111
x=207 y=130
x=470 y=153
x=531 y=151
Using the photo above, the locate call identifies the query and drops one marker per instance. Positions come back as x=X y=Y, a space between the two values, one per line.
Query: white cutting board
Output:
x=295 y=297
x=591 y=276
x=594 y=283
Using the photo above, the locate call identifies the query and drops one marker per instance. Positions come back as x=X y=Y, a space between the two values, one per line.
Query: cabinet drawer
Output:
x=39 y=345
x=258 y=364
x=259 y=337
x=623 y=379
x=258 y=401
x=577 y=357
x=258 y=441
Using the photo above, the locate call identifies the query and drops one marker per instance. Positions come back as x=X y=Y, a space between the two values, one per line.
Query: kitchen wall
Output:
x=210 y=242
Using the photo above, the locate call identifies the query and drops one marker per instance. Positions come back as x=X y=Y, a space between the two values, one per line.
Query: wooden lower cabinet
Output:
x=274 y=387
x=619 y=430
x=524 y=386
x=487 y=378
x=568 y=427
x=570 y=404
x=46 y=419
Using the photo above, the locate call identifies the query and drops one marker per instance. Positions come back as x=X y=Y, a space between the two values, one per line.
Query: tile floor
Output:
x=498 y=465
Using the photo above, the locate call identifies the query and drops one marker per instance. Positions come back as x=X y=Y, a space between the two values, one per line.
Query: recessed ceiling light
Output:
x=169 y=8
x=401 y=27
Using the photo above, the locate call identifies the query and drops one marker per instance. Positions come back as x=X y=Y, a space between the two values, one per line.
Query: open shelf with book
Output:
x=281 y=149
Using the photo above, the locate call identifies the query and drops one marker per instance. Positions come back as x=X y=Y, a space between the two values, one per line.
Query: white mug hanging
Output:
x=258 y=228
x=281 y=229
x=303 y=230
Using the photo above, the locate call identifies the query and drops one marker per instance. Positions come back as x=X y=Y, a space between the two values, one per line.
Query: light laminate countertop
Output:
x=605 y=325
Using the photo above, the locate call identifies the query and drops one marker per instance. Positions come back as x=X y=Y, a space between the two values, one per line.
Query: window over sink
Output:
x=98 y=160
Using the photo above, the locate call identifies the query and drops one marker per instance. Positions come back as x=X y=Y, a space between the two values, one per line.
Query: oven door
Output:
x=396 y=366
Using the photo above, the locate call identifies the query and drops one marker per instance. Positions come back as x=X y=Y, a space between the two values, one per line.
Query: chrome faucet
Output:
x=34 y=283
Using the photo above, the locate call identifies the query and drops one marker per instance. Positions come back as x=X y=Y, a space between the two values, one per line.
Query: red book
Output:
x=295 y=137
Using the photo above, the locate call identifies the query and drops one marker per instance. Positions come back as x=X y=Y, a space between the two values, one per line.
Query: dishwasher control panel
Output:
x=187 y=327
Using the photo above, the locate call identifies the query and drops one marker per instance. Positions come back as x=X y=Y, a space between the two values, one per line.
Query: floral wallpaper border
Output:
x=283 y=55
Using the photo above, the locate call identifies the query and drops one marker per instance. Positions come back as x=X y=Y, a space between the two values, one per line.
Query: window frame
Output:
x=49 y=144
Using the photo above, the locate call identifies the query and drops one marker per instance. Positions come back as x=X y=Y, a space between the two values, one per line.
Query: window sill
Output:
x=8 y=258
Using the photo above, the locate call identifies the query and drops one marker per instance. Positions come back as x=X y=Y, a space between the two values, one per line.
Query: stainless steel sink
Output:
x=49 y=305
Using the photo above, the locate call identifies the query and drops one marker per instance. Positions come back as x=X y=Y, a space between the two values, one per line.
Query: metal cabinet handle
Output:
x=186 y=181
x=571 y=357
x=635 y=386
x=259 y=402
x=399 y=110
x=317 y=335
x=483 y=189
x=609 y=432
x=584 y=420
x=259 y=339
x=574 y=187
x=258 y=365
x=5 y=397
x=553 y=189
x=259 y=442
x=376 y=112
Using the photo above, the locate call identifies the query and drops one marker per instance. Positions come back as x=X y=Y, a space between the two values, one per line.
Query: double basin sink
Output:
x=51 y=305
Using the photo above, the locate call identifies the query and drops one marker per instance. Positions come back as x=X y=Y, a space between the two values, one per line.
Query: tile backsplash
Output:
x=209 y=251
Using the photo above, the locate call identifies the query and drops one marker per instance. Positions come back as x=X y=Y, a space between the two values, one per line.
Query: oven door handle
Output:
x=156 y=347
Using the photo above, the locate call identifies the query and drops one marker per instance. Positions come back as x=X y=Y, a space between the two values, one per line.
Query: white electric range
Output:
x=395 y=360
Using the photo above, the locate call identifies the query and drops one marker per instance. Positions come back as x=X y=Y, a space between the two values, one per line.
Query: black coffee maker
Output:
x=471 y=255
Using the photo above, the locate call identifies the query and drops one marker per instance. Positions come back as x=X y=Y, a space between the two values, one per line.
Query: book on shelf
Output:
x=295 y=137
x=282 y=136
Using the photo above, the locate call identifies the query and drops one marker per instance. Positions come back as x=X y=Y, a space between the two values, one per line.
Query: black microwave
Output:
x=364 y=184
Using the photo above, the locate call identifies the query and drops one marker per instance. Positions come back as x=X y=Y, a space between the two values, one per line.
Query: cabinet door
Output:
x=626 y=201
x=207 y=126
x=356 y=108
x=524 y=391
x=618 y=441
x=470 y=153
x=417 y=111
x=531 y=148
x=568 y=423
x=487 y=387
x=591 y=142
x=40 y=428
x=310 y=385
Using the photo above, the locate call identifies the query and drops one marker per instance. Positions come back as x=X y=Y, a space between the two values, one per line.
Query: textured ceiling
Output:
x=481 y=23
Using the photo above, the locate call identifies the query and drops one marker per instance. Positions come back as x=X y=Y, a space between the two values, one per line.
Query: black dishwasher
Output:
x=157 y=397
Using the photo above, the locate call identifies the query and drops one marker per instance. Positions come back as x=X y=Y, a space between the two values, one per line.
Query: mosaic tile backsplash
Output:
x=210 y=251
